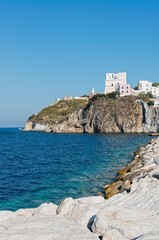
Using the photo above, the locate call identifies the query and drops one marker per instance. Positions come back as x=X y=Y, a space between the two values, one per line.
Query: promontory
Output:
x=98 y=114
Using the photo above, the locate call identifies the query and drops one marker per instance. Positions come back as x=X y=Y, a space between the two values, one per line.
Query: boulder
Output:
x=81 y=210
x=131 y=223
x=46 y=209
x=126 y=186
x=25 y=212
x=114 y=234
x=113 y=188
x=6 y=215
x=65 y=206
x=153 y=235
x=44 y=227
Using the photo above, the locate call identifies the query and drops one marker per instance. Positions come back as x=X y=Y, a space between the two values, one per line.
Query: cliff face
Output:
x=150 y=117
x=99 y=115
x=114 y=115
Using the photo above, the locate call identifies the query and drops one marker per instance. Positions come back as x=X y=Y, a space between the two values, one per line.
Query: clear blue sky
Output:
x=50 y=49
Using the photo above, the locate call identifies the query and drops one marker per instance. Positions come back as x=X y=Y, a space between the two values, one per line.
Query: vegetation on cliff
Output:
x=58 y=112
x=155 y=84
x=146 y=97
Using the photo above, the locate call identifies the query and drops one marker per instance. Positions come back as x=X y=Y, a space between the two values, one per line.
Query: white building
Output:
x=113 y=80
x=135 y=92
x=67 y=98
x=155 y=92
x=123 y=89
x=81 y=98
x=145 y=86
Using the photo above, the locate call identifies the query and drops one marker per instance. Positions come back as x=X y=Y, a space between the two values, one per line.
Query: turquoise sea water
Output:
x=37 y=167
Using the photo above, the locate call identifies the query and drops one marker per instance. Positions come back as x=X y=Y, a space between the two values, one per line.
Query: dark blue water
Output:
x=39 y=167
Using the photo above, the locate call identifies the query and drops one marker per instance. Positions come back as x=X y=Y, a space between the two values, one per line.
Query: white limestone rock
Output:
x=46 y=209
x=25 y=212
x=44 y=227
x=6 y=215
x=68 y=203
x=114 y=234
x=81 y=210
x=153 y=235
x=65 y=206
x=131 y=223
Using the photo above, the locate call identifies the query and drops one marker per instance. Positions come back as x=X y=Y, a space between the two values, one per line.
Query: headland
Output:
x=102 y=113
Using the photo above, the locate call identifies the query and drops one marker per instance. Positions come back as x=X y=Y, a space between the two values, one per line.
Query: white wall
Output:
x=155 y=92
x=145 y=86
x=113 y=80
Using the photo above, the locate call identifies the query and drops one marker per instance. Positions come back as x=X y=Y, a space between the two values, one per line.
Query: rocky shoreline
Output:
x=125 y=177
x=131 y=210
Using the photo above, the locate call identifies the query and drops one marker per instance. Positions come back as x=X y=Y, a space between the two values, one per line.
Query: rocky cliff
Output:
x=63 y=116
x=100 y=114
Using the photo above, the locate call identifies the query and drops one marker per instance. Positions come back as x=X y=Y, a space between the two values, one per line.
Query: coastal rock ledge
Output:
x=128 y=215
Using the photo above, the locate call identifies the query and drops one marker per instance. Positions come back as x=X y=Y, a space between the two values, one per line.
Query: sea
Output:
x=38 y=167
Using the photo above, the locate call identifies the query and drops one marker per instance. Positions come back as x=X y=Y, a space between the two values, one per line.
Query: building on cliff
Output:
x=67 y=98
x=116 y=82
x=145 y=86
x=155 y=92
x=123 y=89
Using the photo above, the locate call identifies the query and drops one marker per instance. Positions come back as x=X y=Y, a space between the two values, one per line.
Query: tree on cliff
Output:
x=155 y=84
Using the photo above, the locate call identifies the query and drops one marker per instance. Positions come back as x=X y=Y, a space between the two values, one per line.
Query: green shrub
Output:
x=97 y=97
x=150 y=103
x=136 y=88
x=149 y=95
x=155 y=84
x=144 y=97
x=112 y=95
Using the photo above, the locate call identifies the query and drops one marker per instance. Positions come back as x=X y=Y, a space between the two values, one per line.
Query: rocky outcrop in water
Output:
x=99 y=115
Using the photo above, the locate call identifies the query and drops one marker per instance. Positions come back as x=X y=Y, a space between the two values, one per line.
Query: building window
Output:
x=122 y=87
x=122 y=91
x=127 y=87
x=112 y=84
x=127 y=91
